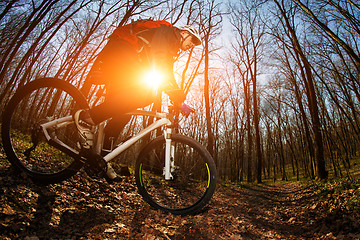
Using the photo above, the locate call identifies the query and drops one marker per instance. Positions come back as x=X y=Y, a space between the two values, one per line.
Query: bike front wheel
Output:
x=193 y=175
x=23 y=138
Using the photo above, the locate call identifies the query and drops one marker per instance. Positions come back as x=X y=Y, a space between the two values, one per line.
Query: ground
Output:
x=83 y=208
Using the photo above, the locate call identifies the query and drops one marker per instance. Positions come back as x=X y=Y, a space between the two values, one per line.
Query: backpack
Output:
x=129 y=31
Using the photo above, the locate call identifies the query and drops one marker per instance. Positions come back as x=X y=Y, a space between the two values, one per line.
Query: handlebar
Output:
x=149 y=113
x=186 y=110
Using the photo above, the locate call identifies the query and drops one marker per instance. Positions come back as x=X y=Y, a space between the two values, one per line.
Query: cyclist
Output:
x=123 y=63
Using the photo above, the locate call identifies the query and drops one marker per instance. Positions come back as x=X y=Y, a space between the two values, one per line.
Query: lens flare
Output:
x=154 y=79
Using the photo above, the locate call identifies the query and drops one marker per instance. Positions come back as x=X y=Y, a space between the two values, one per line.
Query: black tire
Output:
x=194 y=176
x=32 y=104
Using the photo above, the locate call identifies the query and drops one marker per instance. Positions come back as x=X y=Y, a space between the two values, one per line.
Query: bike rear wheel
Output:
x=194 y=176
x=24 y=141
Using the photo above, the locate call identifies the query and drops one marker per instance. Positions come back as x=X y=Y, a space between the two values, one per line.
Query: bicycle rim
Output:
x=24 y=141
x=194 y=176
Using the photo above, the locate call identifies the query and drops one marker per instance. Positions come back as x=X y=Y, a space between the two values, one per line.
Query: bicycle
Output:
x=173 y=172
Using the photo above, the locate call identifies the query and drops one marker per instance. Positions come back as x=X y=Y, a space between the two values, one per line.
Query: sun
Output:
x=154 y=78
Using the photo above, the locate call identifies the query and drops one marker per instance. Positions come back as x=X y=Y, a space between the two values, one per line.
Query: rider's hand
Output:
x=186 y=109
x=176 y=95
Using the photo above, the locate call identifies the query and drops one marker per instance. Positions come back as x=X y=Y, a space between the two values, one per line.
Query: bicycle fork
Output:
x=169 y=155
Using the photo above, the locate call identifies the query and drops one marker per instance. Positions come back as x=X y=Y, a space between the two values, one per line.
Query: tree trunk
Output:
x=210 y=136
x=314 y=111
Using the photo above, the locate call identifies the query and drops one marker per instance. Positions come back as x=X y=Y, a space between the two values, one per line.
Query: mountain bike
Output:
x=173 y=172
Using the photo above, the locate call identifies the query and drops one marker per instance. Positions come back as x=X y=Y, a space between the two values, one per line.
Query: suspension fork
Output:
x=169 y=155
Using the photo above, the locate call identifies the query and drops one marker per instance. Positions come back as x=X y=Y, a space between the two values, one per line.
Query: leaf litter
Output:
x=84 y=208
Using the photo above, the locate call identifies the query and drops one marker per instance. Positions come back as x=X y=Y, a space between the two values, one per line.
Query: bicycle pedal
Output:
x=95 y=166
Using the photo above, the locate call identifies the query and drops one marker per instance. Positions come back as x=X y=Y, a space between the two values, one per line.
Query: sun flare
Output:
x=154 y=79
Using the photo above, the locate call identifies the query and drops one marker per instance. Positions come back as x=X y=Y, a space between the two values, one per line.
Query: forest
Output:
x=275 y=84
x=275 y=88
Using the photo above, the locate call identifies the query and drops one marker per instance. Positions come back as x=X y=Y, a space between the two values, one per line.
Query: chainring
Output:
x=95 y=166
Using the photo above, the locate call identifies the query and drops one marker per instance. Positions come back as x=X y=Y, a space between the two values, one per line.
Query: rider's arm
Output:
x=164 y=47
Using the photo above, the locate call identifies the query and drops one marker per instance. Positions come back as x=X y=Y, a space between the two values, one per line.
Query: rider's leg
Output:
x=119 y=62
x=121 y=68
x=113 y=129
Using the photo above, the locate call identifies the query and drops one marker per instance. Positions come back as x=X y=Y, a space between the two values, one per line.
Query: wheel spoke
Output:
x=193 y=180
x=24 y=140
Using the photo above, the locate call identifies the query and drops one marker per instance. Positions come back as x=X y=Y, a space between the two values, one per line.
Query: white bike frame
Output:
x=163 y=121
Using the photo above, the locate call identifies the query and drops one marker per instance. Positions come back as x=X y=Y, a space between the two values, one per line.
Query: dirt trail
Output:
x=82 y=208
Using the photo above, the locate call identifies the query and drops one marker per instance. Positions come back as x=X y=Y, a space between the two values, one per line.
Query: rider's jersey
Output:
x=158 y=47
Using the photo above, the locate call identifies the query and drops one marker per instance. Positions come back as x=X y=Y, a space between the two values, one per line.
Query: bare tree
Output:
x=310 y=91
x=355 y=23
x=250 y=32
x=210 y=20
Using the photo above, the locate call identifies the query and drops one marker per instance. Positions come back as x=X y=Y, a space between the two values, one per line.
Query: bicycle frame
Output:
x=163 y=121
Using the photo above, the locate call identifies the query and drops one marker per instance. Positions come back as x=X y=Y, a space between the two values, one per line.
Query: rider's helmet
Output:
x=194 y=32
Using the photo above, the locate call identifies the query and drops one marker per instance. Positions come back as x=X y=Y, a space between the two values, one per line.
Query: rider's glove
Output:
x=176 y=95
x=186 y=109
